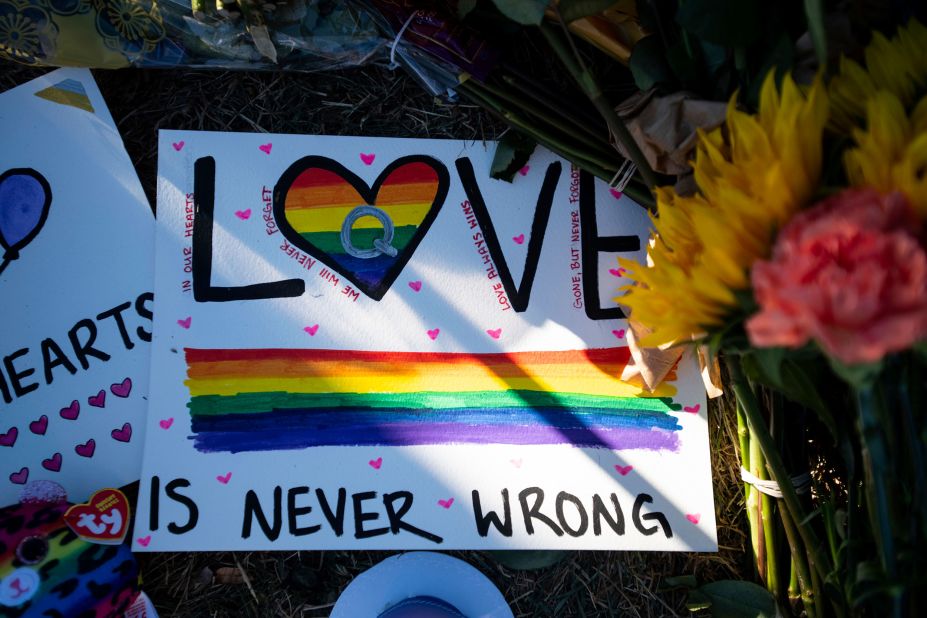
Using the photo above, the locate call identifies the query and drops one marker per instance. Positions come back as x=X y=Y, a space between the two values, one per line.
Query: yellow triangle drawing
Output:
x=68 y=92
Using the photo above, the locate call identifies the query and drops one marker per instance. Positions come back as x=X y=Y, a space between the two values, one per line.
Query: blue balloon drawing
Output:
x=25 y=196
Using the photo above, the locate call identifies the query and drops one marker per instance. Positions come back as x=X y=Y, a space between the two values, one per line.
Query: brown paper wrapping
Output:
x=665 y=127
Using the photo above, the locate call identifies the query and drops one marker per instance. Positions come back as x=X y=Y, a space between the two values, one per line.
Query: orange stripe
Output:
x=335 y=369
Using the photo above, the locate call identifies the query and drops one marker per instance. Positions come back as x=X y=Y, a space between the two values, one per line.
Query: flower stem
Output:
x=769 y=541
x=755 y=509
x=875 y=456
x=799 y=565
x=817 y=559
x=794 y=590
x=597 y=167
x=530 y=107
x=590 y=87
x=915 y=449
x=746 y=461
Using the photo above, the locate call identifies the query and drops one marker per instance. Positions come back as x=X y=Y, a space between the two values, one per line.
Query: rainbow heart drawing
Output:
x=316 y=207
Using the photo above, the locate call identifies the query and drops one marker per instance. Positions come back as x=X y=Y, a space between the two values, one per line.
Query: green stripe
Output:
x=250 y=403
x=362 y=238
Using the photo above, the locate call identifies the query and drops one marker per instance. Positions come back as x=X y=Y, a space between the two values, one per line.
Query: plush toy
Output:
x=48 y=571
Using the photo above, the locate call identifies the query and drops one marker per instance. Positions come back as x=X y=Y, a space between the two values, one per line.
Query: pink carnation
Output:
x=851 y=274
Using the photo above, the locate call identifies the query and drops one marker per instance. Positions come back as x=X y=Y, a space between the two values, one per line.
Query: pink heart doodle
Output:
x=376 y=463
x=122 y=389
x=495 y=333
x=20 y=477
x=520 y=239
x=166 y=423
x=144 y=540
x=86 y=449
x=312 y=330
x=53 y=463
x=224 y=478
x=623 y=470
x=9 y=438
x=244 y=215
x=265 y=148
x=178 y=145
x=38 y=427
x=367 y=158
x=434 y=333
x=185 y=323
x=446 y=503
x=124 y=434
x=694 y=517
x=615 y=193
x=516 y=462
x=693 y=409
x=524 y=171
x=619 y=333
x=617 y=271
x=416 y=285
x=70 y=413
x=98 y=400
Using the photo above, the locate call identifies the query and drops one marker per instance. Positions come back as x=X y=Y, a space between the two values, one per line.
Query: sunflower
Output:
x=890 y=153
x=897 y=66
x=752 y=174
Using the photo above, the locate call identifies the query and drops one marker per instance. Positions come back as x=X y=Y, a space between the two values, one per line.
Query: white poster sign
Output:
x=367 y=343
x=76 y=273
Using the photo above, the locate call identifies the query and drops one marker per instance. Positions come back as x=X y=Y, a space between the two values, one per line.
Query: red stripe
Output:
x=315 y=177
x=594 y=356
x=410 y=173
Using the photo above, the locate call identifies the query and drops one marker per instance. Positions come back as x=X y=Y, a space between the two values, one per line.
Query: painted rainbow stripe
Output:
x=319 y=200
x=276 y=399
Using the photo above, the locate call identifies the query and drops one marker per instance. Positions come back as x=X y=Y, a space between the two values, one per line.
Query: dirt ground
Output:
x=377 y=102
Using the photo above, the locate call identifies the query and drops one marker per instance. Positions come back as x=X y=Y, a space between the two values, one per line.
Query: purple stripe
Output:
x=409 y=434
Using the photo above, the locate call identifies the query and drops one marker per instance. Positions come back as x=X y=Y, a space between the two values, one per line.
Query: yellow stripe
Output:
x=306 y=220
x=344 y=195
x=448 y=382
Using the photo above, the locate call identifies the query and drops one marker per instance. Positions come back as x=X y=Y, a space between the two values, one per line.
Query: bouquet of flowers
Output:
x=801 y=261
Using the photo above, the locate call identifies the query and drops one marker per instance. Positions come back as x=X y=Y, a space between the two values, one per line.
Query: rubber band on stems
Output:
x=801 y=482
x=393 y=65
x=623 y=176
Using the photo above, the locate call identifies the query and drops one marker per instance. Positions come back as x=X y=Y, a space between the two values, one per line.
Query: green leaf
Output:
x=795 y=381
x=779 y=57
x=868 y=570
x=920 y=349
x=525 y=12
x=464 y=7
x=814 y=13
x=571 y=10
x=528 y=559
x=697 y=602
x=770 y=359
x=512 y=153
x=858 y=376
x=739 y=599
x=715 y=56
x=680 y=581
x=732 y=23
x=684 y=66
x=649 y=65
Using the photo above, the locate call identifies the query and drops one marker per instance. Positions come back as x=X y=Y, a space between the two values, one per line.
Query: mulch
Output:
x=374 y=101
